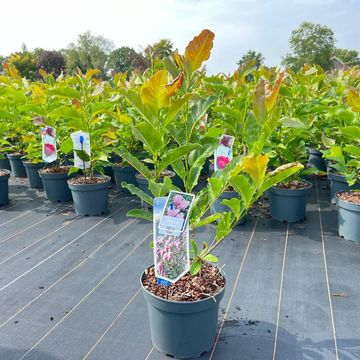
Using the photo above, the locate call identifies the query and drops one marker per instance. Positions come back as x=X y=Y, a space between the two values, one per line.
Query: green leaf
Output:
x=208 y=220
x=215 y=187
x=327 y=141
x=136 y=164
x=242 y=186
x=150 y=137
x=293 y=123
x=195 y=247
x=65 y=92
x=175 y=107
x=66 y=146
x=83 y=155
x=140 y=213
x=211 y=258
x=351 y=149
x=195 y=266
x=73 y=170
x=258 y=105
x=224 y=225
x=100 y=107
x=161 y=189
x=353 y=132
x=139 y=193
x=234 y=205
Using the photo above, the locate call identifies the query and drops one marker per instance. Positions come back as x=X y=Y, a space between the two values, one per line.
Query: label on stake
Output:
x=223 y=154
x=48 y=139
x=81 y=141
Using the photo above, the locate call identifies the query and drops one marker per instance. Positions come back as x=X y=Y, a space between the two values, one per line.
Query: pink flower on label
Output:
x=49 y=149
x=180 y=215
x=222 y=161
x=184 y=204
x=172 y=212
x=177 y=200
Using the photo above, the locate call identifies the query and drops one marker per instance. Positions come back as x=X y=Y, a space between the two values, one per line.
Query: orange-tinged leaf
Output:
x=259 y=106
x=154 y=92
x=271 y=95
x=12 y=71
x=255 y=166
x=43 y=73
x=198 y=49
x=179 y=60
x=175 y=85
x=353 y=100
x=91 y=72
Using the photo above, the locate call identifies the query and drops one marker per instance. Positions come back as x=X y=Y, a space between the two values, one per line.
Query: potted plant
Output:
x=185 y=325
x=4 y=186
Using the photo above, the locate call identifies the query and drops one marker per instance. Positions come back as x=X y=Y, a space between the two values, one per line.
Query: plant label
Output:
x=48 y=138
x=171 y=251
x=176 y=212
x=81 y=141
x=223 y=153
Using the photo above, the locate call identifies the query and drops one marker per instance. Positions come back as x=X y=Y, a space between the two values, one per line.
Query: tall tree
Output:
x=348 y=57
x=90 y=52
x=158 y=50
x=51 y=61
x=252 y=55
x=25 y=63
x=310 y=44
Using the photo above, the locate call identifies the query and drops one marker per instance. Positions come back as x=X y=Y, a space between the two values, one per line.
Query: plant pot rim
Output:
x=41 y=171
x=141 y=176
x=346 y=204
x=108 y=179
x=15 y=155
x=184 y=303
x=30 y=163
x=314 y=151
x=7 y=173
x=310 y=185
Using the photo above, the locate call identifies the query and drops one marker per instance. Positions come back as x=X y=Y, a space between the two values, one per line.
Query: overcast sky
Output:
x=239 y=25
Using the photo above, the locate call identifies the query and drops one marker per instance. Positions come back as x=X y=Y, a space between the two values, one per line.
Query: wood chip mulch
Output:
x=189 y=288
x=55 y=170
x=81 y=180
x=4 y=172
x=351 y=197
x=293 y=185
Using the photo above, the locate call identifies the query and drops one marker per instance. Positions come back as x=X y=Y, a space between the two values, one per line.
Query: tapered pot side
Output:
x=32 y=171
x=183 y=329
x=4 y=187
x=339 y=183
x=316 y=160
x=16 y=165
x=56 y=186
x=126 y=174
x=5 y=164
x=90 y=199
x=288 y=204
x=348 y=219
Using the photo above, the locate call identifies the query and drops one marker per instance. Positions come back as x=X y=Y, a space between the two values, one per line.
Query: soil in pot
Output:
x=32 y=171
x=186 y=328
x=288 y=200
x=338 y=183
x=16 y=164
x=349 y=215
x=4 y=186
x=90 y=194
x=55 y=183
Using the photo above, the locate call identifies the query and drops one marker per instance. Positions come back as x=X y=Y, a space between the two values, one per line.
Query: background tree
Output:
x=51 y=61
x=90 y=52
x=158 y=51
x=252 y=55
x=348 y=57
x=312 y=44
x=25 y=63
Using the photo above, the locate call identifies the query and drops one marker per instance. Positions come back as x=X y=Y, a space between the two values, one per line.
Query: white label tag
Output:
x=48 y=138
x=81 y=141
x=223 y=154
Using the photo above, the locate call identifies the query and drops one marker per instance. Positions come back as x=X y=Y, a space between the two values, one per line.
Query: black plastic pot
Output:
x=124 y=173
x=4 y=187
x=339 y=183
x=288 y=205
x=183 y=329
x=32 y=171
x=17 y=166
x=348 y=219
x=56 y=186
x=90 y=199
x=5 y=164
x=220 y=208
x=316 y=160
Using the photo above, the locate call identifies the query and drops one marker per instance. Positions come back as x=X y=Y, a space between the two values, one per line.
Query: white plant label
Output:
x=81 y=141
x=48 y=139
x=223 y=153
x=171 y=251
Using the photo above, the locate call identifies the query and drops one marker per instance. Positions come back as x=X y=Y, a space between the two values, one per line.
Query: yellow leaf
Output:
x=154 y=92
x=12 y=70
x=175 y=85
x=255 y=166
x=353 y=100
x=124 y=118
x=198 y=49
x=272 y=93
x=179 y=60
x=43 y=73
x=91 y=72
x=110 y=134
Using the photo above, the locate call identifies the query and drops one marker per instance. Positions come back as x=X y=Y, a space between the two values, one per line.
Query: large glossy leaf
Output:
x=255 y=166
x=208 y=220
x=154 y=92
x=224 y=225
x=136 y=164
x=198 y=49
x=243 y=187
x=140 y=213
x=161 y=189
x=271 y=95
x=175 y=108
x=67 y=92
x=258 y=104
x=149 y=136
x=280 y=174
x=173 y=87
x=139 y=193
x=234 y=205
x=353 y=132
x=134 y=99
x=353 y=100
x=215 y=187
x=351 y=149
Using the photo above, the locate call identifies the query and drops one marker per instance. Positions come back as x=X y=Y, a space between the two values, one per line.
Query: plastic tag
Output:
x=223 y=154
x=48 y=138
x=164 y=282
x=81 y=141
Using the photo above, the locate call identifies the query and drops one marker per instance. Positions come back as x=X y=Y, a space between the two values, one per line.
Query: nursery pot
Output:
x=348 y=219
x=32 y=171
x=4 y=187
x=124 y=173
x=16 y=164
x=339 y=183
x=288 y=204
x=143 y=183
x=183 y=329
x=316 y=160
x=90 y=199
x=220 y=208
x=56 y=186
x=5 y=164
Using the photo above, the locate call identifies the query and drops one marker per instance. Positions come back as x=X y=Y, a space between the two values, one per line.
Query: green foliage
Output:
x=348 y=57
x=254 y=56
x=25 y=63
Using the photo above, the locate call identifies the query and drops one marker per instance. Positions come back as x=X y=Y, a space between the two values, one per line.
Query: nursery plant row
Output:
x=261 y=130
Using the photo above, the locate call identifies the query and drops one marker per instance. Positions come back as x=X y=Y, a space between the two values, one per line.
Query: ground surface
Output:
x=69 y=286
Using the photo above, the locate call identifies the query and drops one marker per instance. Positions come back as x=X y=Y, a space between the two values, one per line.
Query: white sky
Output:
x=239 y=25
